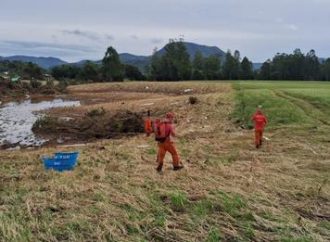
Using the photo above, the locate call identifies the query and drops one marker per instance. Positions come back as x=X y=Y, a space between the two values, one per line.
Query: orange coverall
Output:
x=260 y=122
x=148 y=126
x=168 y=145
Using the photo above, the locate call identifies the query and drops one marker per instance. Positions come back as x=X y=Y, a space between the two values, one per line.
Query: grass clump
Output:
x=202 y=208
x=97 y=112
x=213 y=236
x=179 y=201
x=232 y=204
x=46 y=123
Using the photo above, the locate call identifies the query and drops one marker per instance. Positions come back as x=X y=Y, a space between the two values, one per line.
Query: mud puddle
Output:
x=17 y=119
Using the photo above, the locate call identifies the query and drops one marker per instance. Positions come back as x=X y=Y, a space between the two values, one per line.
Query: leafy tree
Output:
x=173 y=65
x=246 y=69
x=176 y=60
x=65 y=71
x=312 y=66
x=198 y=67
x=265 y=70
x=212 y=66
x=156 y=66
x=237 y=56
x=133 y=73
x=31 y=70
x=27 y=70
x=112 y=69
x=325 y=70
x=231 y=66
x=90 y=71
x=296 y=65
x=279 y=70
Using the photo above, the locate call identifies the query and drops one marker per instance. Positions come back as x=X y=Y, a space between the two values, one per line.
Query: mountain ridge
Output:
x=140 y=61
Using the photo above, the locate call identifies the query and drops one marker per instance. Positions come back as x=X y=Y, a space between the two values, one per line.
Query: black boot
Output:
x=179 y=167
x=159 y=168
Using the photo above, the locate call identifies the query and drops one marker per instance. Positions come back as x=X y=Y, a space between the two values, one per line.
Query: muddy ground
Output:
x=113 y=110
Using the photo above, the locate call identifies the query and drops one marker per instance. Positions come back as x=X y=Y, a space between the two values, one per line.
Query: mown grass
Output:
x=279 y=108
x=318 y=97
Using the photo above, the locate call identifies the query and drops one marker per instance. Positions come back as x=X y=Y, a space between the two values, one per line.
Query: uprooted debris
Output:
x=193 y=100
x=95 y=124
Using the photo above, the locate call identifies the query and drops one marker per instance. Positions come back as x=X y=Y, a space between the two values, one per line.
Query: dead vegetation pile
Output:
x=95 y=124
x=12 y=90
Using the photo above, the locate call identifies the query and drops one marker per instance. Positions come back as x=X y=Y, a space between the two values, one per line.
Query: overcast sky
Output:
x=82 y=29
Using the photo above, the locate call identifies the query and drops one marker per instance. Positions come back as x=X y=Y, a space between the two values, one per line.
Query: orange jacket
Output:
x=148 y=126
x=259 y=120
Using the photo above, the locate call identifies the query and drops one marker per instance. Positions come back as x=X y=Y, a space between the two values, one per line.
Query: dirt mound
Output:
x=95 y=124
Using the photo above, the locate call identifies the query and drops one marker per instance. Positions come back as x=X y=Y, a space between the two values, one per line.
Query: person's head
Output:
x=259 y=111
x=170 y=116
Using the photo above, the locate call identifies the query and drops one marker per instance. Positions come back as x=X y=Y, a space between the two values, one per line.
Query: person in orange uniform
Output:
x=260 y=121
x=168 y=145
x=148 y=125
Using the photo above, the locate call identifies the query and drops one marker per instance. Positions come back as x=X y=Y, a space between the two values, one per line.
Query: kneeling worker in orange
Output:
x=260 y=121
x=165 y=130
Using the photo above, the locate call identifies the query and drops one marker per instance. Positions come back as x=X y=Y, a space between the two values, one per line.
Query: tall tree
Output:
x=65 y=71
x=231 y=66
x=265 y=70
x=212 y=66
x=325 y=67
x=32 y=70
x=296 y=65
x=112 y=69
x=198 y=67
x=246 y=69
x=155 y=66
x=312 y=66
x=89 y=72
x=177 y=61
x=133 y=73
x=173 y=65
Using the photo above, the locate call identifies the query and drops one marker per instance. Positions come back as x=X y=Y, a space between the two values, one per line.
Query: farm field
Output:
x=228 y=190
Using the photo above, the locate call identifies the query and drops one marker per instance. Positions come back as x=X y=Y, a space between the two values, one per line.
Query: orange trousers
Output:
x=258 y=136
x=170 y=147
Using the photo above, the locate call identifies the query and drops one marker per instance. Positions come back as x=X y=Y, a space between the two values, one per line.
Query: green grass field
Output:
x=286 y=103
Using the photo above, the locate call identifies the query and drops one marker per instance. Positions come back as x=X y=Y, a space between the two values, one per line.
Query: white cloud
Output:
x=292 y=27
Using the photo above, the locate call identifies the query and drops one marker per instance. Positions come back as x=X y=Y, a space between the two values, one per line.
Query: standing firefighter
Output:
x=164 y=131
x=260 y=121
x=148 y=125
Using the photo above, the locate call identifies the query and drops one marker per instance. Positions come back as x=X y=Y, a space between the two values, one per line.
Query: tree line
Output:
x=26 y=70
x=175 y=64
x=110 y=69
x=295 y=66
